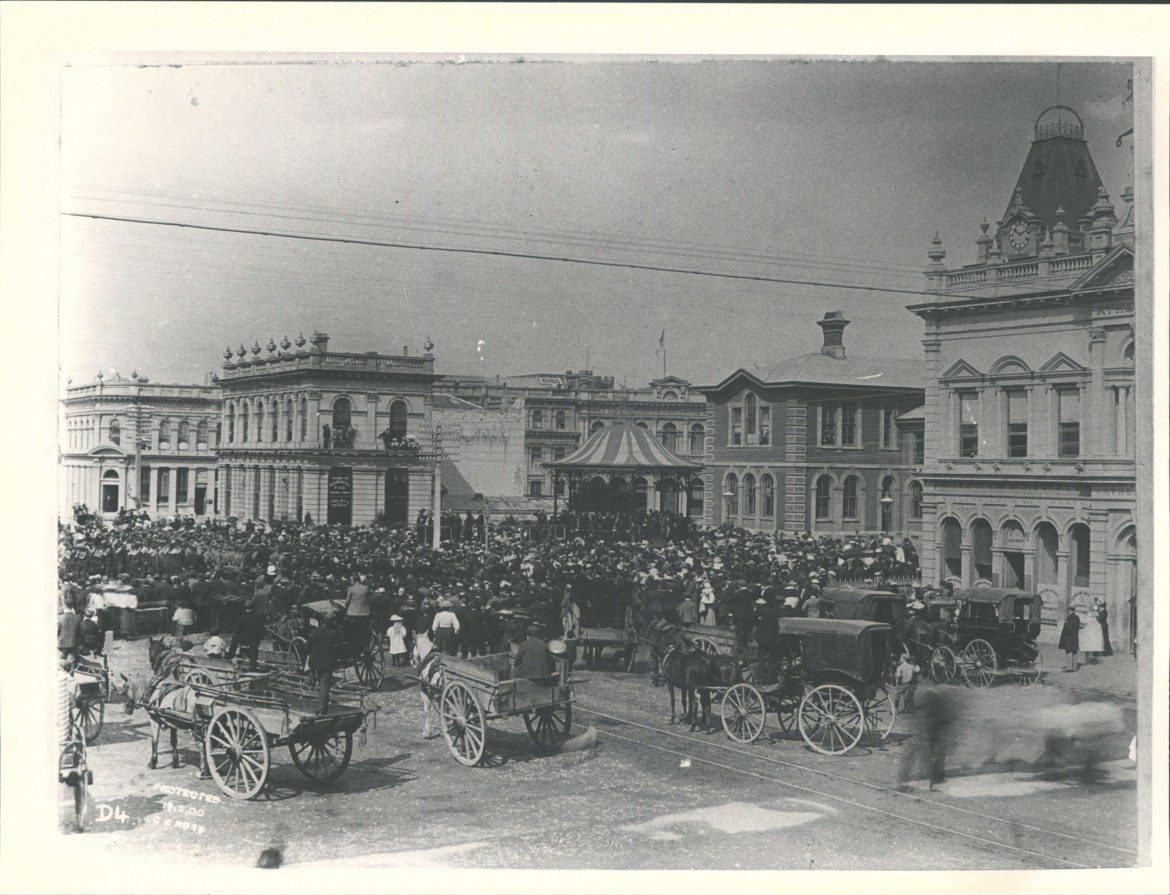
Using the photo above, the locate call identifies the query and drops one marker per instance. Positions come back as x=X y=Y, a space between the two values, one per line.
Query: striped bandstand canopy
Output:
x=624 y=447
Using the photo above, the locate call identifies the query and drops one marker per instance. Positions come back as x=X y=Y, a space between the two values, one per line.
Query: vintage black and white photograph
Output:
x=618 y=463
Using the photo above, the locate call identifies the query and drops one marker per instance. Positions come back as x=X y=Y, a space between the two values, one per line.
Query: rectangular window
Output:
x=828 y=426
x=1017 y=423
x=164 y=485
x=849 y=427
x=750 y=417
x=737 y=425
x=888 y=428
x=765 y=424
x=181 y=485
x=1069 y=414
x=968 y=425
x=536 y=488
x=144 y=484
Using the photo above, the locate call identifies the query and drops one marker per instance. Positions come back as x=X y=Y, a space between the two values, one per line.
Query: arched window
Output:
x=538 y=419
x=288 y=419
x=749 y=414
x=275 y=421
x=231 y=424
x=184 y=434
x=560 y=419
x=849 y=498
x=669 y=395
x=696 y=492
x=822 y=505
x=201 y=435
x=595 y=425
x=244 y=421
x=768 y=490
x=749 y=495
x=115 y=431
x=698 y=438
x=915 y=500
x=669 y=436
x=342 y=414
x=164 y=434
x=304 y=418
x=397 y=419
x=731 y=494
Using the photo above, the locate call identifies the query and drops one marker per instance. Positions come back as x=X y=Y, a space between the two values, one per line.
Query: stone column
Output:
x=1062 y=580
x=369 y=438
x=437 y=504
x=313 y=429
x=153 y=509
x=965 y=551
x=1098 y=411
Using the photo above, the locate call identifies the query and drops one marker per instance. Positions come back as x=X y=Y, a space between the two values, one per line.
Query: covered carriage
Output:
x=365 y=654
x=995 y=635
x=829 y=686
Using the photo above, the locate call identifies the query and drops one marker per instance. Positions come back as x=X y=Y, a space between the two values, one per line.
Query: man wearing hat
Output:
x=532 y=659
x=249 y=633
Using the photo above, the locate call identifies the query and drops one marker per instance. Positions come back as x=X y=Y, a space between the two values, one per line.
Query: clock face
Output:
x=1018 y=235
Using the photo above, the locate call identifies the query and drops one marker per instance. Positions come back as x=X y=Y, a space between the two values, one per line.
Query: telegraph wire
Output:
x=498 y=253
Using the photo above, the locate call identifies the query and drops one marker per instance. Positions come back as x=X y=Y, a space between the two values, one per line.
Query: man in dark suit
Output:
x=324 y=651
x=249 y=633
x=532 y=658
x=768 y=636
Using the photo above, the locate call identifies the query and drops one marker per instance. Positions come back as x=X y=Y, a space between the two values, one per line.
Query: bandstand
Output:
x=632 y=462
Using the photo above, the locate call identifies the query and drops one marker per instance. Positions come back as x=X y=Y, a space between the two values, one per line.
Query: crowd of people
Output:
x=474 y=594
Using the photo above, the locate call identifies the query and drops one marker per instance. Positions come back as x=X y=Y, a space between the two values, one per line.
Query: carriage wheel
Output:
x=943 y=664
x=237 y=753
x=706 y=646
x=298 y=650
x=323 y=758
x=1031 y=672
x=464 y=726
x=978 y=663
x=549 y=727
x=91 y=714
x=370 y=663
x=880 y=713
x=831 y=719
x=787 y=705
x=743 y=713
x=198 y=678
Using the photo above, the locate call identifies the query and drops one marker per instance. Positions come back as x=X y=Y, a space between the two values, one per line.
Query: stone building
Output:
x=562 y=409
x=1029 y=441
x=814 y=442
x=336 y=436
x=135 y=444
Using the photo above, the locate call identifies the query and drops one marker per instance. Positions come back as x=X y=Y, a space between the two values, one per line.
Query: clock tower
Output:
x=1055 y=194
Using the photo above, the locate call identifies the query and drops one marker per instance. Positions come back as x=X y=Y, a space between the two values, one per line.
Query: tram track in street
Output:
x=991 y=827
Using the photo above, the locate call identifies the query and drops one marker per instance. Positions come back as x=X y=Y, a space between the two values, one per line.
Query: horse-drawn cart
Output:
x=995 y=635
x=365 y=656
x=828 y=686
x=92 y=676
x=238 y=723
x=472 y=692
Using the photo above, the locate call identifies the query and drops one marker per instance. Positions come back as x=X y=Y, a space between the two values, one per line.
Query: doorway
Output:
x=110 y=491
x=200 y=499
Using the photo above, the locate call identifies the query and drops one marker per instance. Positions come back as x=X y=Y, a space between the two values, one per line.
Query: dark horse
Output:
x=688 y=668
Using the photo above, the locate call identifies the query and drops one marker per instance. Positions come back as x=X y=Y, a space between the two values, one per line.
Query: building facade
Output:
x=134 y=444
x=563 y=408
x=332 y=436
x=813 y=443
x=1030 y=402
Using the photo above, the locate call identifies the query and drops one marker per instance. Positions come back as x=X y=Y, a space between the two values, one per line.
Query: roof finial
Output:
x=937 y=252
x=984 y=226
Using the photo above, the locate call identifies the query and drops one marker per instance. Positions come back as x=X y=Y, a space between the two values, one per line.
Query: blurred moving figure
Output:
x=936 y=714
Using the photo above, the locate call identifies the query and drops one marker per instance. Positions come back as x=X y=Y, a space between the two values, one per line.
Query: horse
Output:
x=688 y=668
x=164 y=699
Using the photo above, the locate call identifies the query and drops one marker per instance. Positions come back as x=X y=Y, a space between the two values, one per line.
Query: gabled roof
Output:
x=918 y=413
x=1115 y=269
x=624 y=446
x=821 y=369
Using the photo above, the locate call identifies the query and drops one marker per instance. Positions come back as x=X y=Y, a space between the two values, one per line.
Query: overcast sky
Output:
x=824 y=171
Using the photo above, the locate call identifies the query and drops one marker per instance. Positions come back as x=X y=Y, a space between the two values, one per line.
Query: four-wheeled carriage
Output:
x=829 y=686
x=472 y=692
x=929 y=636
x=92 y=676
x=995 y=635
x=873 y=605
x=365 y=654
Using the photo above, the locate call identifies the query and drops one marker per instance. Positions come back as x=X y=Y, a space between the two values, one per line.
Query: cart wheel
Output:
x=298 y=650
x=91 y=714
x=237 y=753
x=978 y=663
x=706 y=646
x=743 y=712
x=1030 y=673
x=198 y=678
x=549 y=727
x=943 y=664
x=787 y=703
x=464 y=726
x=370 y=664
x=323 y=758
x=831 y=719
x=879 y=715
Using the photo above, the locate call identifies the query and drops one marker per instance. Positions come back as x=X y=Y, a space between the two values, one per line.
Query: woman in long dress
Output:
x=1092 y=641
x=1103 y=621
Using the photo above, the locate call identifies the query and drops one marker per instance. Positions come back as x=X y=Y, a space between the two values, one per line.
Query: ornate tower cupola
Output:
x=1058 y=174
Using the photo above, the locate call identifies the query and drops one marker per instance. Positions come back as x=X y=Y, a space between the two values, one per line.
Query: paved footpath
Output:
x=631 y=792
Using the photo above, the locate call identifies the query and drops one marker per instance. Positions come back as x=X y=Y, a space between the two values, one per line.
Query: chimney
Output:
x=833 y=325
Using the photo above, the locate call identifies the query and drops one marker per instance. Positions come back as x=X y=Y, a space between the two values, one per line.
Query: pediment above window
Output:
x=962 y=370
